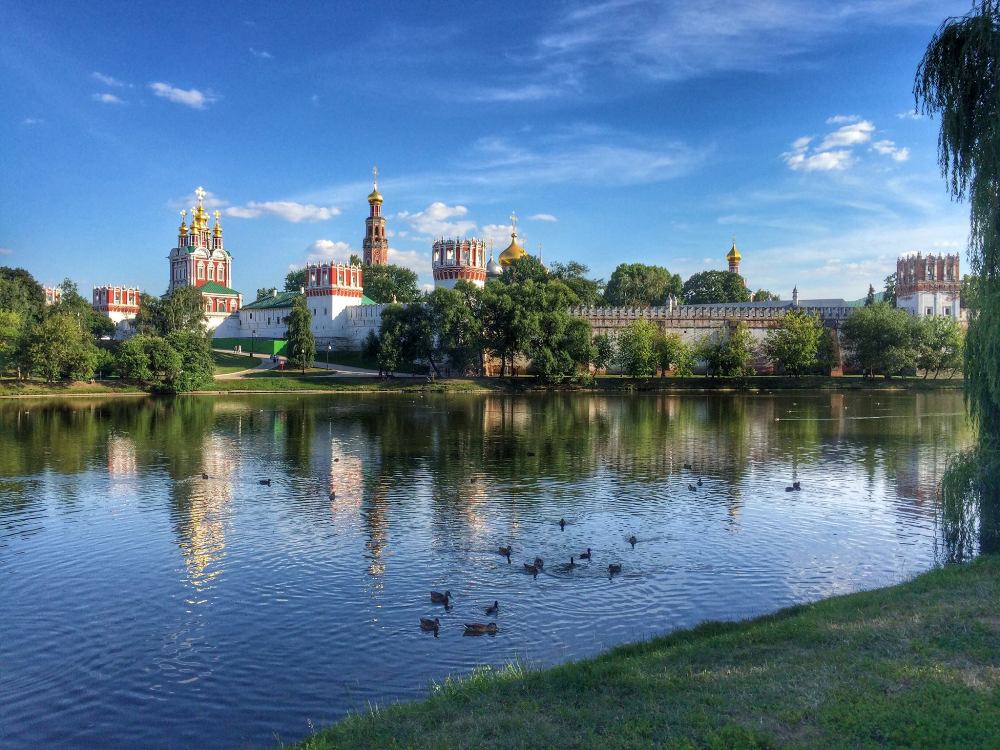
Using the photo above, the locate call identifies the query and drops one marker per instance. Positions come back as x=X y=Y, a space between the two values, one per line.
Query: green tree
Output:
x=641 y=285
x=301 y=344
x=794 y=345
x=21 y=294
x=870 y=297
x=763 y=295
x=635 y=349
x=880 y=339
x=889 y=296
x=62 y=349
x=11 y=331
x=183 y=309
x=73 y=303
x=457 y=332
x=265 y=292
x=295 y=280
x=728 y=355
x=574 y=275
x=390 y=283
x=673 y=354
x=939 y=345
x=197 y=368
x=148 y=360
x=715 y=287
x=390 y=338
x=354 y=260
x=604 y=351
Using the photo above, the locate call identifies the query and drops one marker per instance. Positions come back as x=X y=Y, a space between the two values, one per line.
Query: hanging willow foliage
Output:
x=959 y=79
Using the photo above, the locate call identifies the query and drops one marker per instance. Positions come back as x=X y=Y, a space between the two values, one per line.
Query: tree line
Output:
x=70 y=340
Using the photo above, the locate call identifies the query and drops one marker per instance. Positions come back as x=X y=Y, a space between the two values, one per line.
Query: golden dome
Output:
x=733 y=254
x=375 y=196
x=512 y=252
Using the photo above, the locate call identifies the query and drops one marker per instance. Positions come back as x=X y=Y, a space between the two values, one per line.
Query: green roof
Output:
x=282 y=299
x=212 y=288
x=365 y=300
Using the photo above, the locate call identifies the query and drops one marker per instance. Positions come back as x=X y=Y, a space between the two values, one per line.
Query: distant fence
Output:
x=254 y=345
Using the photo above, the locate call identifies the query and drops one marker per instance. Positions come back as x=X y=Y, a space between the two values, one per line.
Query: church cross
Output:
x=200 y=192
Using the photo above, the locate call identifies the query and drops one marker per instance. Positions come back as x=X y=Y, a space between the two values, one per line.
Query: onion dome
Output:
x=513 y=251
x=217 y=229
x=733 y=255
x=374 y=196
x=183 y=227
x=493 y=269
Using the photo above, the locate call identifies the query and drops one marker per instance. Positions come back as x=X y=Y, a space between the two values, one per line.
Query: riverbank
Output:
x=913 y=665
x=273 y=381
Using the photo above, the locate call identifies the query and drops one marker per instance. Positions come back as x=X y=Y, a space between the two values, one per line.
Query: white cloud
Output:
x=799 y=158
x=314 y=98
x=889 y=148
x=417 y=261
x=439 y=220
x=841 y=119
x=108 y=80
x=107 y=98
x=849 y=135
x=499 y=235
x=910 y=115
x=329 y=251
x=188 y=97
x=287 y=210
x=261 y=54
x=32 y=121
x=531 y=92
x=6 y=251
x=543 y=217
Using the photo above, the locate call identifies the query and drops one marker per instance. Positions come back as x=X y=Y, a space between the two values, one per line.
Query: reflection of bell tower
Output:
x=376 y=246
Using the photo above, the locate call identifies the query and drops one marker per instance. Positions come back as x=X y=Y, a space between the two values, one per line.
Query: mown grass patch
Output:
x=13 y=387
x=914 y=665
x=226 y=362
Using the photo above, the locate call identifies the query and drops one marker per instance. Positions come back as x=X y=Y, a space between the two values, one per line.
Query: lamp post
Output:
x=329 y=348
x=253 y=342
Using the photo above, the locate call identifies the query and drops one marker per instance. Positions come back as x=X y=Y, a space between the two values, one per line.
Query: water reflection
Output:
x=229 y=611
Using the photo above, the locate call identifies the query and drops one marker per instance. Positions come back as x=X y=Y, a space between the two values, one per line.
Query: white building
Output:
x=930 y=285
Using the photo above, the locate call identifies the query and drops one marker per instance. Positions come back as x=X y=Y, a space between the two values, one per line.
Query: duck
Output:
x=427 y=623
x=539 y=563
x=529 y=568
x=585 y=555
x=481 y=628
x=494 y=608
x=687 y=466
x=438 y=598
x=797 y=486
x=562 y=523
x=265 y=482
x=632 y=540
x=614 y=568
x=505 y=551
x=692 y=488
x=789 y=488
x=699 y=481
x=204 y=475
x=333 y=495
x=336 y=460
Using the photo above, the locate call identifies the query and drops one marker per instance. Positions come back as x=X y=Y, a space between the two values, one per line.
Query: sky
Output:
x=618 y=131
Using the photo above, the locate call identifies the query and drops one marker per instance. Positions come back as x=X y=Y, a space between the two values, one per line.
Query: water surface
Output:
x=142 y=605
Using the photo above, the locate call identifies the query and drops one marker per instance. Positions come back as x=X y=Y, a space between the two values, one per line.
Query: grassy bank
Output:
x=226 y=362
x=915 y=665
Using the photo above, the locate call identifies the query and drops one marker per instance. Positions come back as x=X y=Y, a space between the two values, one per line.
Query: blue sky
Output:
x=619 y=131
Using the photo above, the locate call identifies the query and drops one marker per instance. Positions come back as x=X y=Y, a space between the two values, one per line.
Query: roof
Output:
x=213 y=288
x=778 y=303
x=879 y=297
x=366 y=300
x=282 y=299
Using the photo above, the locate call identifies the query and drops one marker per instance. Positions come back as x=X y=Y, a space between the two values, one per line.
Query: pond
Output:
x=153 y=593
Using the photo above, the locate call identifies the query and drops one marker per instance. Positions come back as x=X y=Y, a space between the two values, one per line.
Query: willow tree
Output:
x=959 y=80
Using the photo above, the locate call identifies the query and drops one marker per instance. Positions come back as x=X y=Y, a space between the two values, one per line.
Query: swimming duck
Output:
x=427 y=623
x=204 y=475
x=480 y=628
x=539 y=563
x=632 y=540
x=438 y=598
x=699 y=481
x=692 y=488
x=505 y=551
x=614 y=568
x=562 y=523
x=333 y=495
x=789 y=488
x=797 y=486
x=585 y=555
x=494 y=608
x=529 y=568
x=687 y=466
x=265 y=481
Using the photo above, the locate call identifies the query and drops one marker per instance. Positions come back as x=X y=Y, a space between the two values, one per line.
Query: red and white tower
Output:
x=120 y=303
x=201 y=260
x=330 y=287
x=376 y=246
x=459 y=259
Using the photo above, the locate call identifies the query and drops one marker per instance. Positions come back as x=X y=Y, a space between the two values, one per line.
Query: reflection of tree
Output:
x=300 y=427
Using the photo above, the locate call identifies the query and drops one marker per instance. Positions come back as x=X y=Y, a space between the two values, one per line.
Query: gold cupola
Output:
x=513 y=251
x=374 y=196
x=217 y=229
x=182 y=229
x=733 y=256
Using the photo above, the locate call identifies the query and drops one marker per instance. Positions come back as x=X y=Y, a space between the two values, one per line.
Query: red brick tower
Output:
x=376 y=246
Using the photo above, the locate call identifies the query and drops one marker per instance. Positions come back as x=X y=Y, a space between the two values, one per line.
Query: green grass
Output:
x=296 y=381
x=362 y=360
x=11 y=387
x=914 y=665
x=226 y=362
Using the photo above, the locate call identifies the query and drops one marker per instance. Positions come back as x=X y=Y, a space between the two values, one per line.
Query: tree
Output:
x=880 y=339
x=148 y=359
x=889 y=296
x=870 y=297
x=183 y=309
x=604 y=351
x=762 y=295
x=301 y=344
x=715 y=287
x=11 y=330
x=265 y=292
x=21 y=294
x=390 y=283
x=354 y=260
x=939 y=344
x=641 y=285
x=389 y=340
x=197 y=368
x=574 y=275
x=457 y=330
x=729 y=355
x=672 y=353
x=73 y=303
x=295 y=280
x=635 y=352
x=62 y=349
x=794 y=345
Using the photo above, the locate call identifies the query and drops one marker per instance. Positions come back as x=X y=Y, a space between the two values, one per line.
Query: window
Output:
x=201 y=271
x=930 y=311
x=947 y=311
x=211 y=273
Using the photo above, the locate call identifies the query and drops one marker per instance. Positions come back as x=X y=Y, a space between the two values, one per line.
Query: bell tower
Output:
x=376 y=246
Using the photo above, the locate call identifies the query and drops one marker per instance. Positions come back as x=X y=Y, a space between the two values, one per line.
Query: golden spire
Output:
x=513 y=251
x=375 y=196
x=513 y=225
x=217 y=230
x=183 y=227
